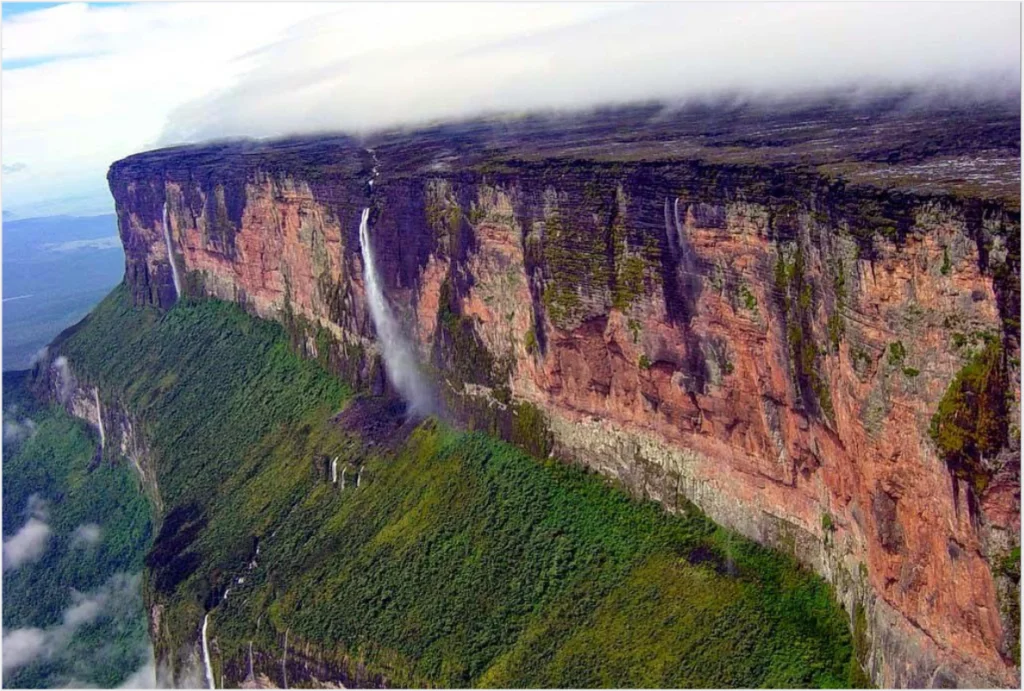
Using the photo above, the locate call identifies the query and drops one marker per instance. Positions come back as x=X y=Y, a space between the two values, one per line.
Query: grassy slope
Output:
x=459 y=561
x=54 y=464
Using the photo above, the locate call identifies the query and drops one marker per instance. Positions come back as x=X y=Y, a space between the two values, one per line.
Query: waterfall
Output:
x=679 y=226
x=669 y=232
x=170 y=256
x=206 y=654
x=400 y=364
x=359 y=477
x=334 y=471
x=343 y=477
x=251 y=675
x=687 y=265
x=284 y=660
x=99 y=418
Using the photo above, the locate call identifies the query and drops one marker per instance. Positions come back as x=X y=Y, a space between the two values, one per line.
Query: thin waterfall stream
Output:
x=170 y=255
x=206 y=654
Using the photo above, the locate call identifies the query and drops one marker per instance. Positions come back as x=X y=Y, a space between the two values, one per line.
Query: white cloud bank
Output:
x=130 y=77
x=440 y=61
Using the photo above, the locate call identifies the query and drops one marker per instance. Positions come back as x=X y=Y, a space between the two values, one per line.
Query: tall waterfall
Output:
x=99 y=418
x=399 y=361
x=170 y=255
x=206 y=654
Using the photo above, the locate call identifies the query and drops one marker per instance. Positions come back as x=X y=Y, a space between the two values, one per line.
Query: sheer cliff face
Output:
x=757 y=340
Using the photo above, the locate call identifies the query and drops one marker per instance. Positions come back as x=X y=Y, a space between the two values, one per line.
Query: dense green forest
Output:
x=74 y=614
x=457 y=560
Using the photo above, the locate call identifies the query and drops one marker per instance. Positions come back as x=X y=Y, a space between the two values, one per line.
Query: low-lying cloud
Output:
x=39 y=356
x=86 y=535
x=144 y=677
x=111 y=242
x=29 y=544
x=117 y=598
x=22 y=646
x=18 y=430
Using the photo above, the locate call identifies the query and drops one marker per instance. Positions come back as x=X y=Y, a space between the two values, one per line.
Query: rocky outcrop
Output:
x=768 y=343
x=120 y=432
x=296 y=664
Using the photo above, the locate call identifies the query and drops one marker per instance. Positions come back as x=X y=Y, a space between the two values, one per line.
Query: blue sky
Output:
x=87 y=84
x=13 y=9
x=10 y=9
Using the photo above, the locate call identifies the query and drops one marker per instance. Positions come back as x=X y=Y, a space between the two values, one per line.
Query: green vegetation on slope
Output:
x=458 y=561
x=54 y=471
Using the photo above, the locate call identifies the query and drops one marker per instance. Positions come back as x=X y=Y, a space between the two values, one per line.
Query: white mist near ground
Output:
x=170 y=255
x=118 y=600
x=399 y=360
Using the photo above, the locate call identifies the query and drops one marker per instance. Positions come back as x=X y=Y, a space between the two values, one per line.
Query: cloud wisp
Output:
x=108 y=243
x=29 y=544
x=86 y=535
x=18 y=430
x=114 y=599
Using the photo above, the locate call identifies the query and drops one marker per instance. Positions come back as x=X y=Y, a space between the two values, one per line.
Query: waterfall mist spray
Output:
x=399 y=360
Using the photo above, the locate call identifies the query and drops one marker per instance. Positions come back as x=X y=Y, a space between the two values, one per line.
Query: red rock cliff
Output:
x=800 y=357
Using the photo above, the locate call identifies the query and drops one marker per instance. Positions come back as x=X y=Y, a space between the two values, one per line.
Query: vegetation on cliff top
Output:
x=458 y=561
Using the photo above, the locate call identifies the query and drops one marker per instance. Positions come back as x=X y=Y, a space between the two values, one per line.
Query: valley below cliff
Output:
x=722 y=398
